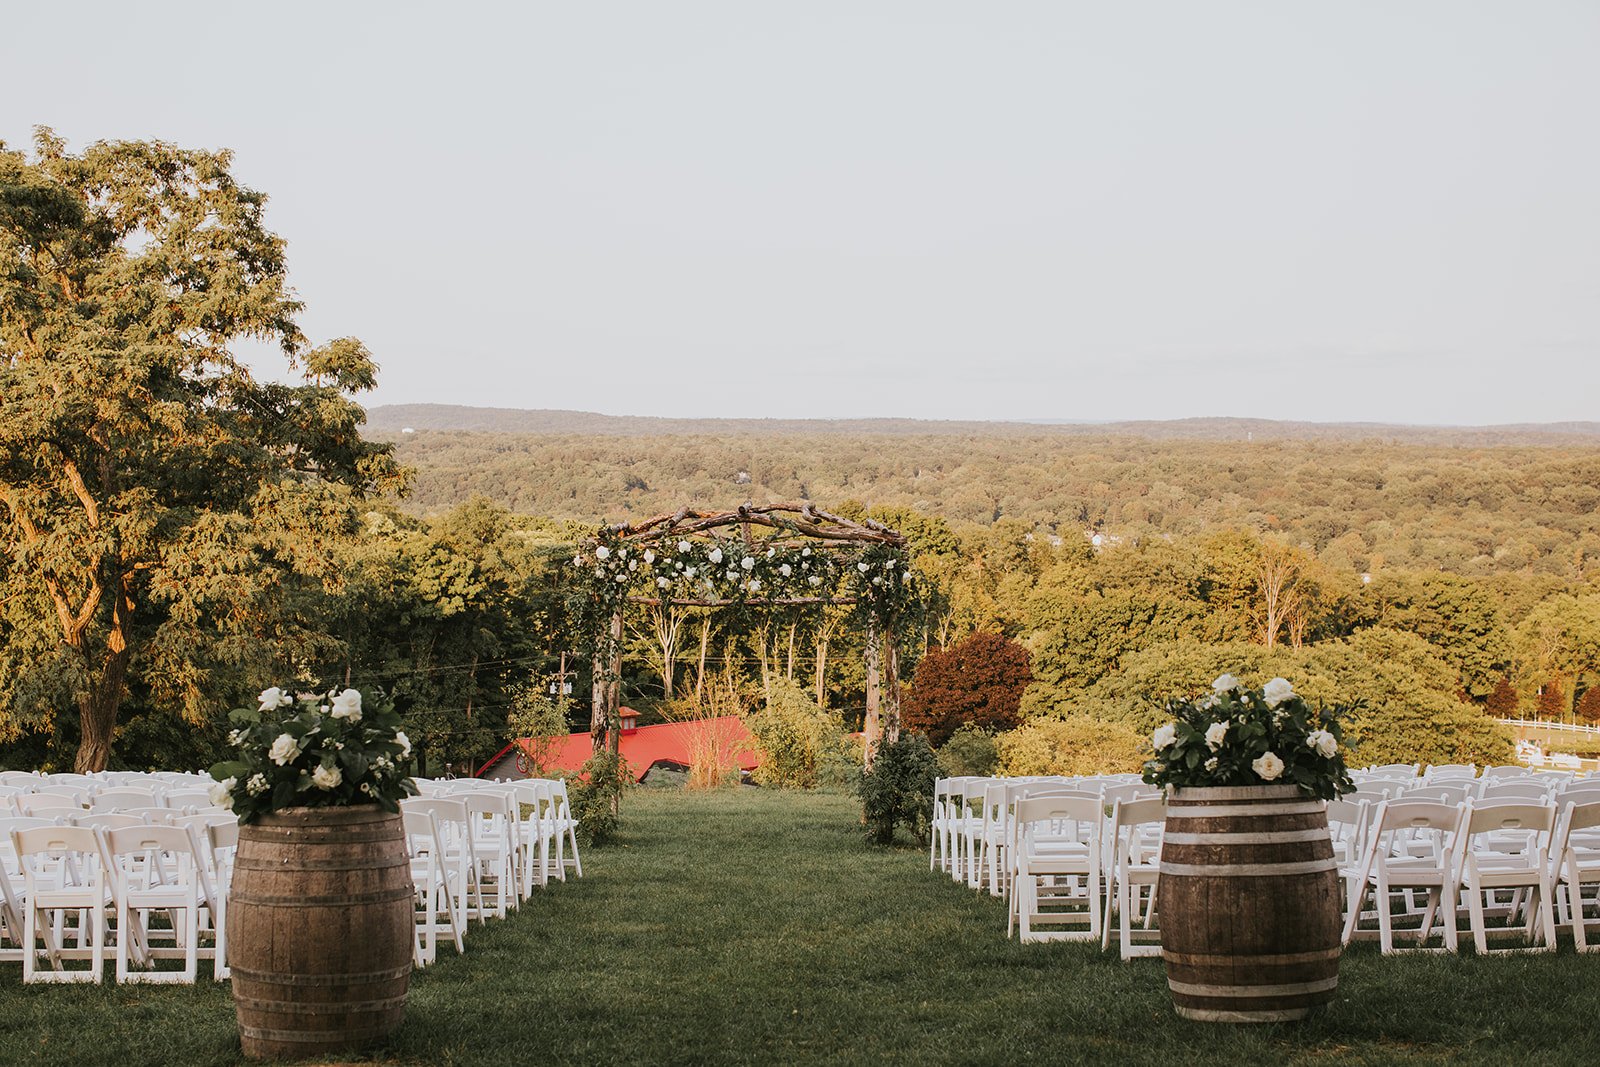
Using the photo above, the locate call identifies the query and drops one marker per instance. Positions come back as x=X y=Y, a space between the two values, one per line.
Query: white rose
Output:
x=1323 y=742
x=283 y=750
x=814 y=581
x=771 y=552
x=1216 y=733
x=748 y=563
x=785 y=570
x=755 y=585
x=716 y=555
x=326 y=777
x=649 y=556
x=256 y=785
x=633 y=564
x=622 y=577
x=222 y=793
x=1165 y=736
x=662 y=583
x=1267 y=767
x=1224 y=684
x=863 y=567
x=405 y=744
x=602 y=552
x=877 y=579
x=1276 y=692
x=688 y=572
x=684 y=546
x=906 y=577
x=269 y=698
x=347 y=705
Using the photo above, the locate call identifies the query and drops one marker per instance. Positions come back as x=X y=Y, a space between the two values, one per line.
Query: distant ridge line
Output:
x=387 y=421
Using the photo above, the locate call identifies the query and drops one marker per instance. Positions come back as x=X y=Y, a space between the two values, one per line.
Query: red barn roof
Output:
x=644 y=747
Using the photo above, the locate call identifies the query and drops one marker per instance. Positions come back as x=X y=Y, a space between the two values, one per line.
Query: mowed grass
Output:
x=756 y=927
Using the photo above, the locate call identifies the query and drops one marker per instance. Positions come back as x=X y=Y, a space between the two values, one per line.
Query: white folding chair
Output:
x=1506 y=846
x=1057 y=857
x=1575 y=867
x=1135 y=839
x=453 y=827
x=565 y=830
x=155 y=868
x=493 y=819
x=1410 y=847
x=222 y=839
x=65 y=892
x=436 y=911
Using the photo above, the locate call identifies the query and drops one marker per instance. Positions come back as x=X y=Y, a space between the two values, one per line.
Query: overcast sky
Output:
x=1347 y=210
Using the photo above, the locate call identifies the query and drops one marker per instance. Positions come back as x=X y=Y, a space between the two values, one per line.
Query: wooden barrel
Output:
x=319 y=930
x=1249 y=899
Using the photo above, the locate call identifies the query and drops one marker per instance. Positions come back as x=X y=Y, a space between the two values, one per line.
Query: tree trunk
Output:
x=97 y=714
x=705 y=641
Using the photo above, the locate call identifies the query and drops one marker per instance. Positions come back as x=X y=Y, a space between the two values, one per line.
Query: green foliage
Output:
x=1234 y=736
x=540 y=724
x=978 y=681
x=971 y=750
x=160 y=507
x=314 y=750
x=1454 y=614
x=596 y=797
x=795 y=737
x=1073 y=745
x=897 y=790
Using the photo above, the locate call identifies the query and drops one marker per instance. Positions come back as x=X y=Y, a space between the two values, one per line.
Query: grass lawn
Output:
x=748 y=926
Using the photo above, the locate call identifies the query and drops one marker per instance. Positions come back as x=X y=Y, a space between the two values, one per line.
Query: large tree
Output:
x=148 y=480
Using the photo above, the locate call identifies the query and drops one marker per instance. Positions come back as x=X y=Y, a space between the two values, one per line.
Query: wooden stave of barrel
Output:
x=1250 y=912
x=320 y=930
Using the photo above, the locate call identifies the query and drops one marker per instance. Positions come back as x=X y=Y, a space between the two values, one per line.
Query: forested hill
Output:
x=388 y=422
x=1360 y=505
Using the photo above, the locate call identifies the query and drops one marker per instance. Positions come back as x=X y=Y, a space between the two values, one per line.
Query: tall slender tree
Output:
x=147 y=478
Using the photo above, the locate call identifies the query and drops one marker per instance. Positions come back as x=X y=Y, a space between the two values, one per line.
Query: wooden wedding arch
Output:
x=809 y=557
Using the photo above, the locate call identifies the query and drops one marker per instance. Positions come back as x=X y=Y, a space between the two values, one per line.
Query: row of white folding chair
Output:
x=71 y=876
x=479 y=856
x=1446 y=851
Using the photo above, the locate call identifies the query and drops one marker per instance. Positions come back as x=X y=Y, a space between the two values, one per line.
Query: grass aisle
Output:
x=754 y=927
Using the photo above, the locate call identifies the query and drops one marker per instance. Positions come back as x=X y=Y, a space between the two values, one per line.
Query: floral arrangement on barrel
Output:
x=1235 y=736
x=314 y=750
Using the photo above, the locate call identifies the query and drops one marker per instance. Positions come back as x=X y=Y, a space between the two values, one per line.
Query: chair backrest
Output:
x=152 y=815
x=56 y=842
x=1509 y=770
x=1513 y=789
x=107 y=820
x=1060 y=809
x=117 y=799
x=137 y=840
x=1409 y=814
x=1582 y=791
x=1584 y=816
x=39 y=803
x=1446 y=792
x=189 y=798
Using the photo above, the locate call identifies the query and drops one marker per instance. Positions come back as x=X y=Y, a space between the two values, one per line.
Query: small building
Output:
x=670 y=744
